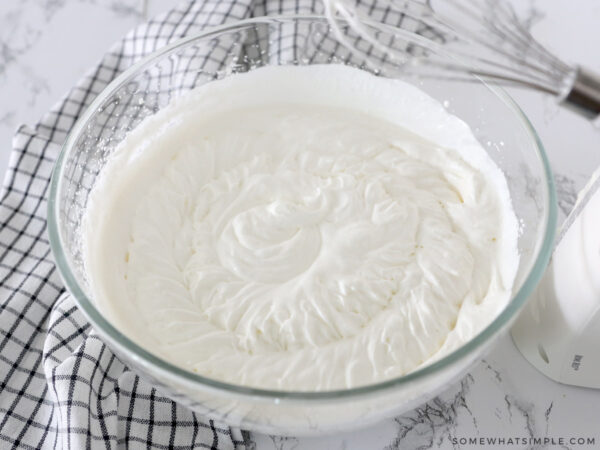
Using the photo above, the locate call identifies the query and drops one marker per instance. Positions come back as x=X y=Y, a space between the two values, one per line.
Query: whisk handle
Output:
x=584 y=96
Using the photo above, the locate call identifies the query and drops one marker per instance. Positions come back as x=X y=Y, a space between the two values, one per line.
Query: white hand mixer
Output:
x=559 y=330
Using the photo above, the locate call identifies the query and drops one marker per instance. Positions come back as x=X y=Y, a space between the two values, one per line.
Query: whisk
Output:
x=455 y=39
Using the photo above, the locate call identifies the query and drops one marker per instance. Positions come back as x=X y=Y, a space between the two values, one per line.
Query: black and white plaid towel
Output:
x=60 y=386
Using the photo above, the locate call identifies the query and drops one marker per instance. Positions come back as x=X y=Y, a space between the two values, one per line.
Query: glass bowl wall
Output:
x=151 y=84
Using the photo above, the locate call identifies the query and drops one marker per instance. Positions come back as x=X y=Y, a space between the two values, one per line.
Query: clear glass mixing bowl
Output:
x=243 y=46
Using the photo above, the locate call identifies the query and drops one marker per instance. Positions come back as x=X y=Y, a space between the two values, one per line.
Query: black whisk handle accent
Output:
x=584 y=96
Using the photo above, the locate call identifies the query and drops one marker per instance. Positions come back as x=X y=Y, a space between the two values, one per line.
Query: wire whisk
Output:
x=457 y=39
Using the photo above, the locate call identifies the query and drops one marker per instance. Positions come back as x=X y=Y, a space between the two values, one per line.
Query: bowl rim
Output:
x=64 y=263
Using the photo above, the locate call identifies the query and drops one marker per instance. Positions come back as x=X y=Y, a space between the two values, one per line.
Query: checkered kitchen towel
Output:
x=60 y=386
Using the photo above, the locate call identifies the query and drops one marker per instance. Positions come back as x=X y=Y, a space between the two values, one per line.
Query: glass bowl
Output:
x=152 y=83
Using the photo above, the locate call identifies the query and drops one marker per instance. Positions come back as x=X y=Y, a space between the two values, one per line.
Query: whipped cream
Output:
x=301 y=228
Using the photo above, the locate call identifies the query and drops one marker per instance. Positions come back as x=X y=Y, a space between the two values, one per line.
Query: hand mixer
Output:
x=559 y=330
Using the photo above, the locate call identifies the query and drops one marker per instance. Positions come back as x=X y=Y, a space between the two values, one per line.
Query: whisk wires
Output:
x=453 y=39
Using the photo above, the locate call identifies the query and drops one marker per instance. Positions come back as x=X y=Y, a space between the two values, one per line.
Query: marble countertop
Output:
x=46 y=45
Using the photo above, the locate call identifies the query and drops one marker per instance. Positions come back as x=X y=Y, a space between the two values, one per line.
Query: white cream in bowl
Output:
x=301 y=228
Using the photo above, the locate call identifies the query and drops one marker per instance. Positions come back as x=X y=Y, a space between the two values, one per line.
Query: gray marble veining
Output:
x=566 y=191
x=46 y=46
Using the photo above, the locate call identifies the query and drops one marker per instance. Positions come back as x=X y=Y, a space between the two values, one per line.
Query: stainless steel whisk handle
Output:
x=584 y=95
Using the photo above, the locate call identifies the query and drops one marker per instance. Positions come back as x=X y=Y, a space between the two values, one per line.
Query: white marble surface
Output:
x=46 y=45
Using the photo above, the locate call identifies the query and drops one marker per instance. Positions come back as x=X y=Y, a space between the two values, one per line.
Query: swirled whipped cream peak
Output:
x=301 y=228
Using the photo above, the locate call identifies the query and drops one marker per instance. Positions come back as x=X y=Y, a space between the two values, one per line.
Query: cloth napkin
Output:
x=60 y=385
